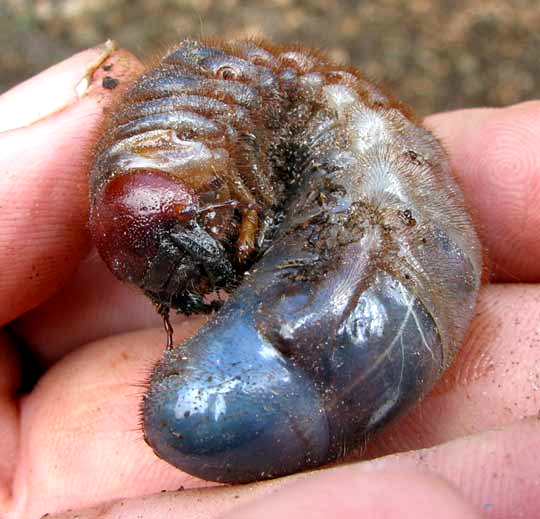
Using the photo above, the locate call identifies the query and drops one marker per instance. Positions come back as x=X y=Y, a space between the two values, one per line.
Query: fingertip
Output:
x=80 y=427
x=43 y=176
x=63 y=84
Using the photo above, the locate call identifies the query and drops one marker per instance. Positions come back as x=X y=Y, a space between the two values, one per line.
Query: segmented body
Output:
x=364 y=262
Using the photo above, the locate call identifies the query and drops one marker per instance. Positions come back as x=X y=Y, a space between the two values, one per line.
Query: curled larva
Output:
x=329 y=212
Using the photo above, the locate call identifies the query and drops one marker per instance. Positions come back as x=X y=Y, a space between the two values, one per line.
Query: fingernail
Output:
x=53 y=89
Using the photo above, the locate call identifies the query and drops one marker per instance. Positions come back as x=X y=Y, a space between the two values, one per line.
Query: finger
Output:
x=92 y=306
x=495 y=379
x=52 y=90
x=43 y=171
x=80 y=428
x=496 y=154
x=496 y=472
x=343 y=494
x=347 y=494
x=82 y=419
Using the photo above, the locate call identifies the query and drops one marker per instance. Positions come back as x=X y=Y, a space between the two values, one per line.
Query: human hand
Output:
x=74 y=441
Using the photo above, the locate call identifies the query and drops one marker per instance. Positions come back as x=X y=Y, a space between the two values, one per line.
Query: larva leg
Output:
x=246 y=243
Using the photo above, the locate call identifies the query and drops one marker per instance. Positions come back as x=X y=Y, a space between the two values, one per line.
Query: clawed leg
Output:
x=164 y=311
x=246 y=243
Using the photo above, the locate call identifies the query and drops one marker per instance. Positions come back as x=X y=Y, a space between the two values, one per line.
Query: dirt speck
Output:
x=109 y=83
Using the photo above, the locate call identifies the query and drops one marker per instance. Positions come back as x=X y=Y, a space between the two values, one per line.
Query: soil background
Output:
x=436 y=55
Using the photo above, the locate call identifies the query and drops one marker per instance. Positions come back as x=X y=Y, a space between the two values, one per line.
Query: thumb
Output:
x=50 y=123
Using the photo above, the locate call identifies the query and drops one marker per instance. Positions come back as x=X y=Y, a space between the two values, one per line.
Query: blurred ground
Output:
x=436 y=55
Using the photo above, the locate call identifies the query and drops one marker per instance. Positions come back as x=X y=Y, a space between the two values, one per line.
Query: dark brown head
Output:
x=145 y=227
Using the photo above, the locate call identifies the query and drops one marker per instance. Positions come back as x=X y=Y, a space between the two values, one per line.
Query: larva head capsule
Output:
x=144 y=224
x=130 y=216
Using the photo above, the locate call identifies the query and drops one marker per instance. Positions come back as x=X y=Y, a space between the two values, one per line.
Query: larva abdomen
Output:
x=363 y=262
